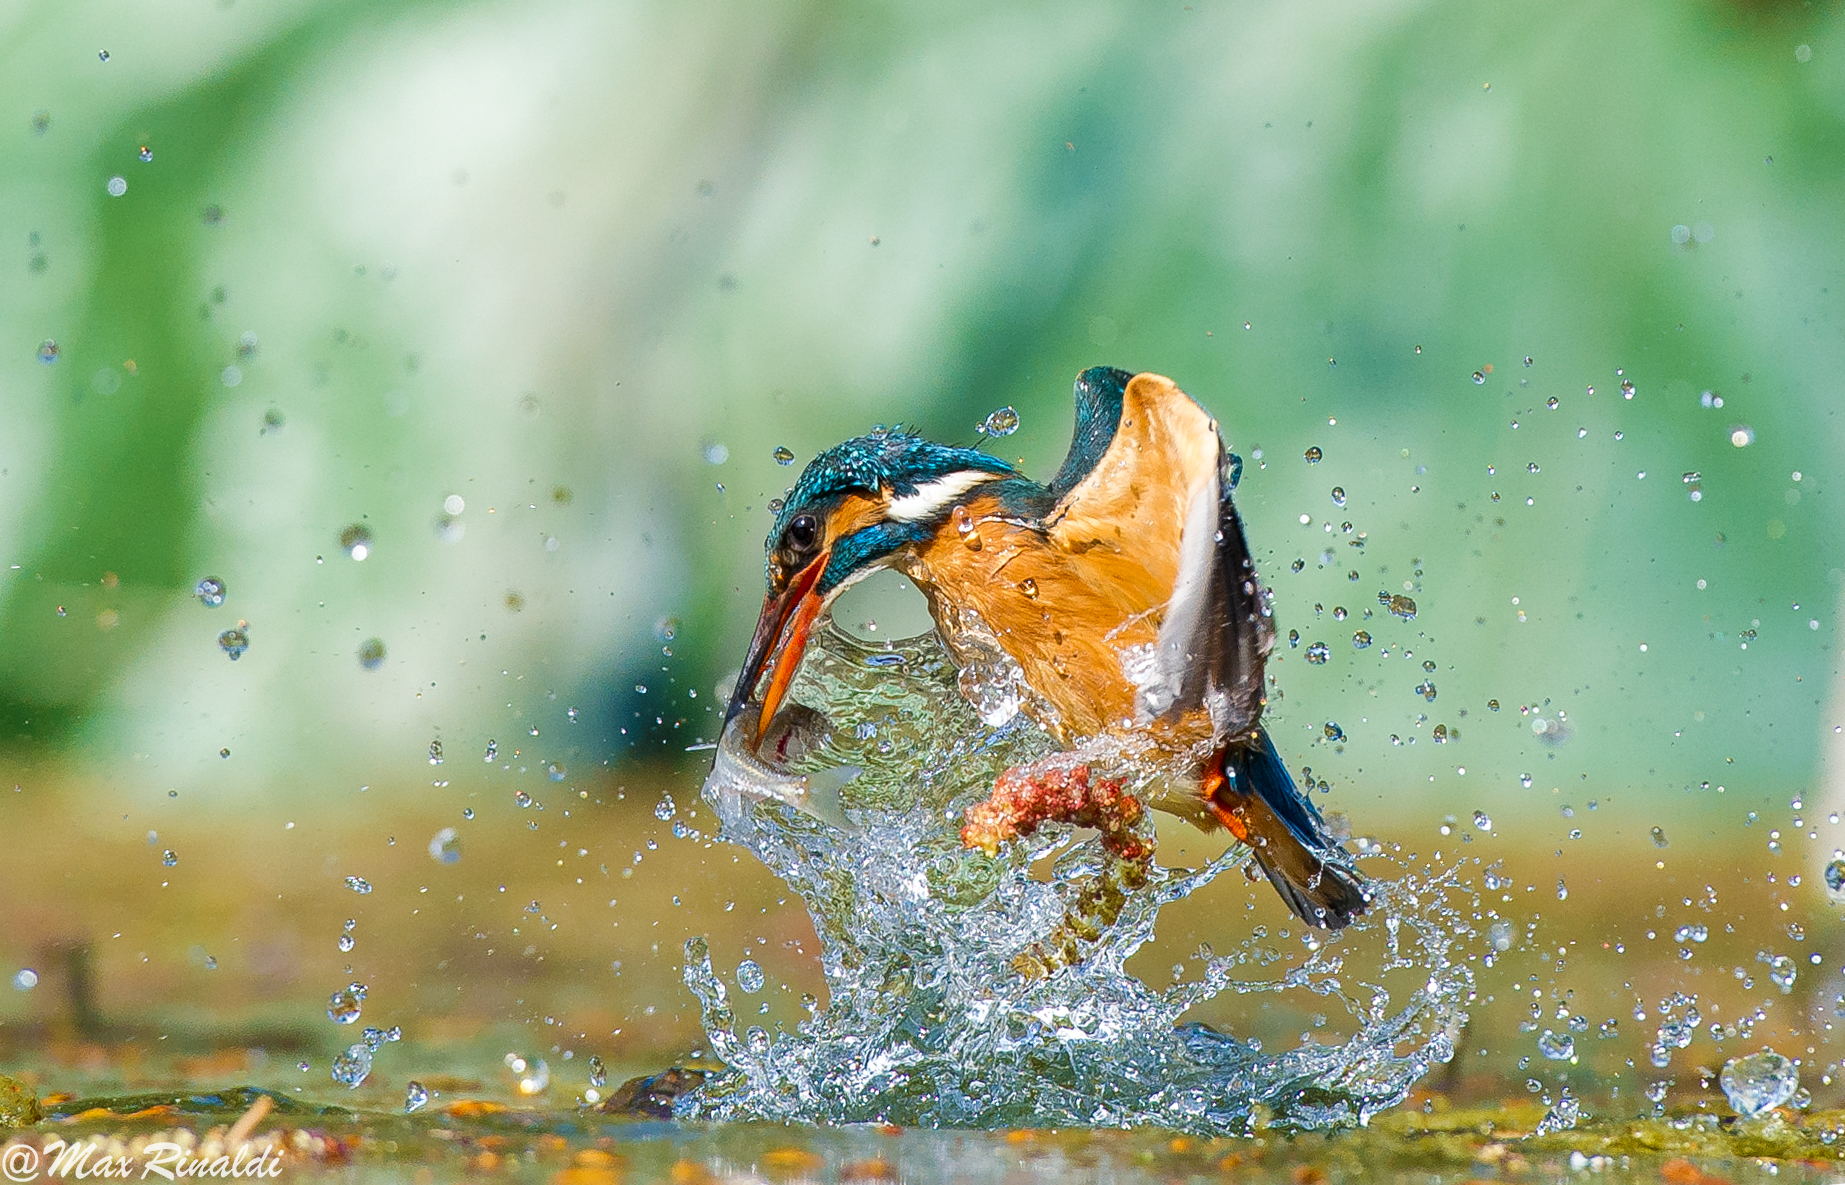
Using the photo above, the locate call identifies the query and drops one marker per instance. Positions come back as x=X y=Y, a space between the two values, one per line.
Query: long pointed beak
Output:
x=781 y=634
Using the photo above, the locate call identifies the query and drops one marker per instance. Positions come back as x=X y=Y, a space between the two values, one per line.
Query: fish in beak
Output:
x=781 y=635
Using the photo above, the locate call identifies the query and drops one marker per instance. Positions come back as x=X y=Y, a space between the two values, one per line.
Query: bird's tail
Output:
x=1256 y=799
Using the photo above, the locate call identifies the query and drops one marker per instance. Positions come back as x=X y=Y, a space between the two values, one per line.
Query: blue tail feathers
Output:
x=1289 y=840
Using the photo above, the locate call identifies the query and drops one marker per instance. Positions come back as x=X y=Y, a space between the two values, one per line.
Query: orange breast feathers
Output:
x=1066 y=631
x=1067 y=597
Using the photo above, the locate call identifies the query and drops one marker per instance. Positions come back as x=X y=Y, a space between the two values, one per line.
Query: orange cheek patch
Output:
x=855 y=511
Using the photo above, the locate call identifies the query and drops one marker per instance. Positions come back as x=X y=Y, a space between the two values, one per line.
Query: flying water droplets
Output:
x=749 y=977
x=358 y=884
x=1002 y=422
x=416 y=1097
x=1835 y=881
x=1758 y=1082
x=353 y=1066
x=356 y=541
x=345 y=1005
x=48 y=351
x=531 y=1076
x=210 y=592
x=1313 y=455
x=1563 y=1115
x=1398 y=605
x=1558 y=1047
x=1781 y=970
x=445 y=846
x=371 y=653
x=1318 y=653
x=234 y=642
x=783 y=455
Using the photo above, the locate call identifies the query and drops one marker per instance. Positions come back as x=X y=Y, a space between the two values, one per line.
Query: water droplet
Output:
x=1426 y=689
x=1742 y=436
x=435 y=752
x=345 y=1005
x=1659 y=837
x=1781 y=970
x=1313 y=455
x=416 y=1096
x=598 y=1073
x=1627 y=389
x=102 y=55
x=1332 y=731
x=234 y=642
x=1558 y=1047
x=371 y=653
x=356 y=541
x=964 y=526
x=555 y=771
x=48 y=351
x=531 y=1076
x=1361 y=639
x=666 y=808
x=1338 y=495
x=210 y=592
x=117 y=186
x=1835 y=881
x=1029 y=587
x=146 y=153
x=1758 y=1082
x=1482 y=820
x=1318 y=653
x=1563 y=1115
x=25 y=979
x=749 y=977
x=1479 y=378
x=716 y=454
x=1003 y=422
x=1401 y=606
x=358 y=884
x=352 y=1067
x=445 y=846
x=522 y=799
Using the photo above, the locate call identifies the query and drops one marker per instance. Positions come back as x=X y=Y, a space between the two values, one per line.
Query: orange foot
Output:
x=1025 y=797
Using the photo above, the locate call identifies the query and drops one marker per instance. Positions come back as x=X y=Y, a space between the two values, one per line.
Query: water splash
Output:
x=930 y=1018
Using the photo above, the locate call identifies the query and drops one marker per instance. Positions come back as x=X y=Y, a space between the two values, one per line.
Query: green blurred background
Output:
x=531 y=293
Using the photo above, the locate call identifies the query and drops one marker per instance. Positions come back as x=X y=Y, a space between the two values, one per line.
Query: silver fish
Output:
x=741 y=771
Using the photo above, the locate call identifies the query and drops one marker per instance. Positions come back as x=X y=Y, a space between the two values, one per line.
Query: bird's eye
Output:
x=802 y=530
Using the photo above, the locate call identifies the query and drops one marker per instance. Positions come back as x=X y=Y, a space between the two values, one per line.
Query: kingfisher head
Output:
x=854 y=508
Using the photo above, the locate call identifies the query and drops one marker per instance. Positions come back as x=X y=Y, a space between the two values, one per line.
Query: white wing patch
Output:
x=931 y=497
x=1175 y=666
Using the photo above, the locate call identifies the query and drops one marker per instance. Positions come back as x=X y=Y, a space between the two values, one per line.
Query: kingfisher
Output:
x=1123 y=590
